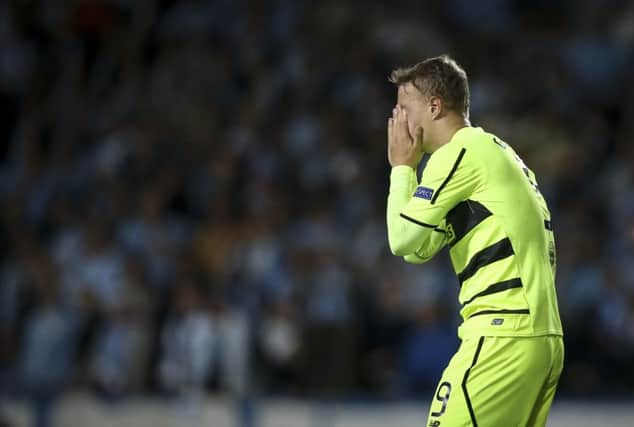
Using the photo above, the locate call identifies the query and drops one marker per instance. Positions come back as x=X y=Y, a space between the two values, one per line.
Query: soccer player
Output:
x=478 y=198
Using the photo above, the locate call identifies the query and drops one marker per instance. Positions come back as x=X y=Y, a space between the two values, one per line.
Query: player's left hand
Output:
x=402 y=148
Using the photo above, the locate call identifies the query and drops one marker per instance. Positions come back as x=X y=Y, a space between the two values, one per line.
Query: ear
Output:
x=435 y=107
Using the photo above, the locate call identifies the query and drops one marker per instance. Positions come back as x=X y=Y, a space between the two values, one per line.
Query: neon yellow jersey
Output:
x=477 y=197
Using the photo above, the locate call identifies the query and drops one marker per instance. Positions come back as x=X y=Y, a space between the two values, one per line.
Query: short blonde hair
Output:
x=440 y=76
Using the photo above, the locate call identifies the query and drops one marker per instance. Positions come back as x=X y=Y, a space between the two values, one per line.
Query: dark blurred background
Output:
x=192 y=193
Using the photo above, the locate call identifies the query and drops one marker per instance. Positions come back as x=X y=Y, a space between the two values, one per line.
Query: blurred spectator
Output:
x=201 y=337
x=330 y=333
x=121 y=352
x=187 y=342
x=427 y=348
x=49 y=352
x=280 y=344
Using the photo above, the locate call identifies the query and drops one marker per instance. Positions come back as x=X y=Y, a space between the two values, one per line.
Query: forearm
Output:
x=404 y=237
x=429 y=248
x=415 y=241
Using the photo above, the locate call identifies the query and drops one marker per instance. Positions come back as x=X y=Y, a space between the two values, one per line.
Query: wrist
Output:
x=402 y=177
x=401 y=166
x=404 y=163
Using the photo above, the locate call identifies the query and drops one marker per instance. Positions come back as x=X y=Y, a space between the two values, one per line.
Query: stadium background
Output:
x=192 y=202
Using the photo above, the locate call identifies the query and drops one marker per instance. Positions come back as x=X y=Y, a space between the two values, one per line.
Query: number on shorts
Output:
x=442 y=398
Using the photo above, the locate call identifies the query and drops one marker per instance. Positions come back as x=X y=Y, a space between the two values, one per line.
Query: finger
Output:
x=419 y=134
x=402 y=119
x=418 y=139
x=390 y=139
x=402 y=125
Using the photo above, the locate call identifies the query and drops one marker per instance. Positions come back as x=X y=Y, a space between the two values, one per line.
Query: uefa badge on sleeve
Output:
x=424 y=193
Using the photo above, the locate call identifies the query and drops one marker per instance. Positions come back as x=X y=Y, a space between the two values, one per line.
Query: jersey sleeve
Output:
x=416 y=228
x=437 y=241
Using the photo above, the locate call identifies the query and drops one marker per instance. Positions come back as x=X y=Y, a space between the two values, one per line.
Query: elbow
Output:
x=399 y=249
x=414 y=259
x=399 y=252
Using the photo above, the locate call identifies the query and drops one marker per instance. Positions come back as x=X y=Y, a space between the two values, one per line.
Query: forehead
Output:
x=408 y=92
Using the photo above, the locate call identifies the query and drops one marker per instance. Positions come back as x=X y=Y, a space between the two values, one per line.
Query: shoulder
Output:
x=461 y=151
x=447 y=154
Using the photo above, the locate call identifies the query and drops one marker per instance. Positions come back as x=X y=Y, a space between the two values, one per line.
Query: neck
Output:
x=448 y=129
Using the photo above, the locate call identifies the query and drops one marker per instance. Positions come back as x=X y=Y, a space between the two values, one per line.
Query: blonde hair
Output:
x=440 y=76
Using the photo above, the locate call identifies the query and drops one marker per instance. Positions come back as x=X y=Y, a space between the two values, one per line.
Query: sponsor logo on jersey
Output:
x=451 y=235
x=424 y=193
x=497 y=322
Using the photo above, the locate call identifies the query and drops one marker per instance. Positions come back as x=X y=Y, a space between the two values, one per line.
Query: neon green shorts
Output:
x=499 y=382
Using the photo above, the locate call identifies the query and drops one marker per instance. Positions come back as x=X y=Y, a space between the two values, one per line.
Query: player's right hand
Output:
x=403 y=149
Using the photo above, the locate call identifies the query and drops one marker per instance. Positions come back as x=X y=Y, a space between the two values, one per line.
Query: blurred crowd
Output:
x=192 y=193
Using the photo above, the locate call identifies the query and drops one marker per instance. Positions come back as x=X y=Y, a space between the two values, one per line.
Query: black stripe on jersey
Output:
x=486 y=256
x=519 y=311
x=497 y=287
x=465 y=216
x=499 y=143
x=464 y=382
x=422 y=224
x=548 y=225
x=453 y=170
